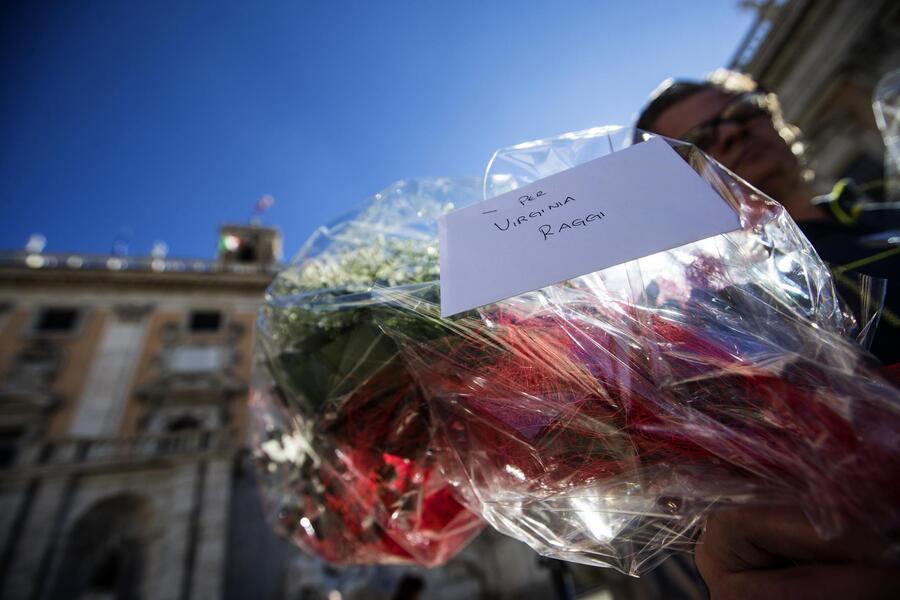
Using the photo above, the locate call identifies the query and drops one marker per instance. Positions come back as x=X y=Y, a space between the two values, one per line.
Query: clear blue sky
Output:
x=170 y=118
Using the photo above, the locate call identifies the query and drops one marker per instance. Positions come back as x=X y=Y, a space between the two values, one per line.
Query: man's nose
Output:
x=730 y=132
x=729 y=139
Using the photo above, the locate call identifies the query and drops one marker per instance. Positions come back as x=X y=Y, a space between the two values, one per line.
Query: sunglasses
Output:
x=745 y=107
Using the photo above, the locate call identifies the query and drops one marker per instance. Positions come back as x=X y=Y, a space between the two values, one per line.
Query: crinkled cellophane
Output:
x=598 y=420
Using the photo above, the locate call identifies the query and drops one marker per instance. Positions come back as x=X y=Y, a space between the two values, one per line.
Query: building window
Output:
x=183 y=423
x=195 y=359
x=205 y=321
x=246 y=253
x=57 y=320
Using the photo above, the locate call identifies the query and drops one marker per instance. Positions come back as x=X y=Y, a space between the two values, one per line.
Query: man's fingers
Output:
x=807 y=582
x=765 y=538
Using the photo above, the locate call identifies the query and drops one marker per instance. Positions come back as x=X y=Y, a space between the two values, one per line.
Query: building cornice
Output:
x=222 y=281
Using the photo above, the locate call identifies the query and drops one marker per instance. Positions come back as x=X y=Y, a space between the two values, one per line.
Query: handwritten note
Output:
x=629 y=204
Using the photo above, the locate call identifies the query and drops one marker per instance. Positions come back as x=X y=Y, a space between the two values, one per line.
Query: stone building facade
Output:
x=122 y=411
x=125 y=470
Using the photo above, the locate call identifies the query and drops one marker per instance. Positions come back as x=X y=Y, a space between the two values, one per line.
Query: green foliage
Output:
x=323 y=320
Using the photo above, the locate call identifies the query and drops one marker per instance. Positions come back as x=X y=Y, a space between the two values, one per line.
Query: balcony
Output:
x=104 y=262
x=86 y=455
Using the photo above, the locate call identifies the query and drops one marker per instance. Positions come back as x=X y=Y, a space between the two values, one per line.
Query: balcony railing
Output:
x=130 y=451
x=84 y=262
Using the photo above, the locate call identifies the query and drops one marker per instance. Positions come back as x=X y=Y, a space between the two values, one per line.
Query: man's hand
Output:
x=774 y=553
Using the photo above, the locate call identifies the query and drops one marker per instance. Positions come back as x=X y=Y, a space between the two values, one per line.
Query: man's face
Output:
x=752 y=149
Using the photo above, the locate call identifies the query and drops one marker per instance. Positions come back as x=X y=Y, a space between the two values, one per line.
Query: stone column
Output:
x=100 y=407
x=166 y=564
x=36 y=537
x=11 y=502
x=209 y=566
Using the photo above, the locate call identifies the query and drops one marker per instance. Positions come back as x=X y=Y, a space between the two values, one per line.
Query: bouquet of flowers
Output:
x=343 y=435
x=597 y=420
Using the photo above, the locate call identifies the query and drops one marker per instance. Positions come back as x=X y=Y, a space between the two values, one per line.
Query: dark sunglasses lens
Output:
x=703 y=136
x=747 y=108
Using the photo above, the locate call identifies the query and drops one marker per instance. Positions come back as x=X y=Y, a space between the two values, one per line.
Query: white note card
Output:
x=627 y=205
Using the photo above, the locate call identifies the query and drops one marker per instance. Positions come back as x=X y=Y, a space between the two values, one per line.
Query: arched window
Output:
x=103 y=553
x=183 y=423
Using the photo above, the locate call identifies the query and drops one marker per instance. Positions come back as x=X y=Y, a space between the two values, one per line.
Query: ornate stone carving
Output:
x=132 y=313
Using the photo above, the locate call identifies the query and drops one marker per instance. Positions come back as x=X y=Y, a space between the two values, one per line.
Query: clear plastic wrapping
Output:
x=343 y=436
x=886 y=106
x=599 y=419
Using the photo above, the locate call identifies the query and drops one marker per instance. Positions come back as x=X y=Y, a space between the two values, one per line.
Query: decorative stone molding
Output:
x=36 y=366
x=132 y=313
x=236 y=331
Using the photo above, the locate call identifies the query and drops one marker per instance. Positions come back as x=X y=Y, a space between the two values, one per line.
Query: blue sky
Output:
x=169 y=118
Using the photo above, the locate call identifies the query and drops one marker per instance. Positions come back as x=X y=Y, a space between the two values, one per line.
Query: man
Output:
x=774 y=553
x=739 y=125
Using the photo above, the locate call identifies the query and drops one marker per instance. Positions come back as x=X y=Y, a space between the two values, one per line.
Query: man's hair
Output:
x=672 y=91
x=667 y=94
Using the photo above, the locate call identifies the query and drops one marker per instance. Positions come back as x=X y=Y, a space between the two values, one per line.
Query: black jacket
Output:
x=854 y=249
